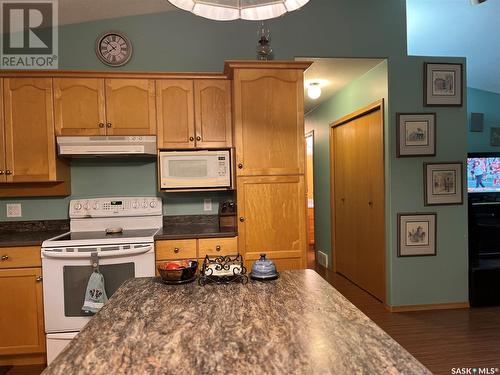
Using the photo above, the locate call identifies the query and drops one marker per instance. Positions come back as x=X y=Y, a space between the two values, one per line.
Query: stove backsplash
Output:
x=113 y=177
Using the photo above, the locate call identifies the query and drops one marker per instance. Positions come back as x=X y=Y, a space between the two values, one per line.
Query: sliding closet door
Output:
x=358 y=196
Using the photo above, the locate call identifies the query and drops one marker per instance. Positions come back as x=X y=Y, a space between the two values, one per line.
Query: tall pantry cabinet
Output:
x=268 y=113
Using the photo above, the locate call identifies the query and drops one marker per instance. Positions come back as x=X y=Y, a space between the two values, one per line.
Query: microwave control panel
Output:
x=223 y=163
x=115 y=206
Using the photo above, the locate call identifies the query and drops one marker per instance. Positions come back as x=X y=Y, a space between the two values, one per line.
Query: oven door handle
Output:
x=100 y=254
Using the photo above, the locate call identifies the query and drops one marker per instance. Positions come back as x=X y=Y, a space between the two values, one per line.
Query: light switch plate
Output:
x=14 y=210
x=207 y=205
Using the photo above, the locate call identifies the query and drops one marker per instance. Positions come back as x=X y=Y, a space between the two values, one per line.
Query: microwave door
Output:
x=182 y=172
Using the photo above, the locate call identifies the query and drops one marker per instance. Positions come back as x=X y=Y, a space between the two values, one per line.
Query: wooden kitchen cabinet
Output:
x=97 y=106
x=272 y=211
x=217 y=246
x=130 y=107
x=176 y=249
x=194 y=113
x=79 y=106
x=22 y=338
x=269 y=121
x=212 y=105
x=30 y=151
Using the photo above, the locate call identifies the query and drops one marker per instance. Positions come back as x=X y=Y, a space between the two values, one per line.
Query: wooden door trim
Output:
x=375 y=106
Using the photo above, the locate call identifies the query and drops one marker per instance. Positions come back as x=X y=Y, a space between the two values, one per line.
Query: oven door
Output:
x=65 y=278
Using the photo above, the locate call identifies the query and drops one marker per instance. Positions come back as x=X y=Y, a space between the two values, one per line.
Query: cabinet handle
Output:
x=108 y=125
x=198 y=138
x=242 y=219
x=8 y=172
x=370 y=203
x=191 y=139
x=101 y=125
x=39 y=278
x=176 y=250
x=240 y=166
x=1 y=173
x=217 y=248
x=4 y=257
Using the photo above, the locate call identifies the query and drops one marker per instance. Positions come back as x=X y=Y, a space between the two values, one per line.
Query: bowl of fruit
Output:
x=178 y=271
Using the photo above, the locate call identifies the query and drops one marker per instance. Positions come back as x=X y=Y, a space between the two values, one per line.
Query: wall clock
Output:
x=113 y=48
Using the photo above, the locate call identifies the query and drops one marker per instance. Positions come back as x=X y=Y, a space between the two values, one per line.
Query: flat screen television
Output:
x=483 y=172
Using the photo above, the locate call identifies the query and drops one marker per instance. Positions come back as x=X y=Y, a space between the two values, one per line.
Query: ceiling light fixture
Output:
x=314 y=90
x=227 y=10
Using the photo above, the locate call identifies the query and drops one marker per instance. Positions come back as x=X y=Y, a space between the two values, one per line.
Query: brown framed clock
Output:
x=113 y=48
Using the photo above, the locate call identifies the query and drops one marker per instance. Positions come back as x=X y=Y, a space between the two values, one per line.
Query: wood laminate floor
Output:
x=441 y=340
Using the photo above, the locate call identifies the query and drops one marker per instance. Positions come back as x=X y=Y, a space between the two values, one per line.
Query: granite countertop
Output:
x=30 y=233
x=192 y=226
x=298 y=324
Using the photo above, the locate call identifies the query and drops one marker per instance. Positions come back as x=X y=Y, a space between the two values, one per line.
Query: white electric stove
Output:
x=120 y=233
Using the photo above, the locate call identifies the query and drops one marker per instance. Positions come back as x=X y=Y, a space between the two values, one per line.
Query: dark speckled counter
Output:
x=30 y=233
x=298 y=324
x=192 y=226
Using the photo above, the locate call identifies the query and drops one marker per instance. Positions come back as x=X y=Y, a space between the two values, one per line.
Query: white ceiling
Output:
x=334 y=74
x=75 y=11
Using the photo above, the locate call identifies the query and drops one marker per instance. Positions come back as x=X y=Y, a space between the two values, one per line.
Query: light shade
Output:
x=314 y=91
x=227 y=10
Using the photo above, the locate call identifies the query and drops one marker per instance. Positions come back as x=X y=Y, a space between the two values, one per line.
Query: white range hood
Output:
x=117 y=146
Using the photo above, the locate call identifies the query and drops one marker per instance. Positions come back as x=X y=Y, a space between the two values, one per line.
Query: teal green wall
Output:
x=365 y=90
x=486 y=102
x=178 y=41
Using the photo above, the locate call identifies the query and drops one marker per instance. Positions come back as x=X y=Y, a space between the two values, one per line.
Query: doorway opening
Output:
x=311 y=253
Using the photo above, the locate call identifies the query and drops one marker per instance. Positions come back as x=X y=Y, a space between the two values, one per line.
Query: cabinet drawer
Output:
x=175 y=249
x=20 y=257
x=217 y=246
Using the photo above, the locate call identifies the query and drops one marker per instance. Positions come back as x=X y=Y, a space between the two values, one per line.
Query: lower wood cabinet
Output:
x=21 y=306
x=272 y=211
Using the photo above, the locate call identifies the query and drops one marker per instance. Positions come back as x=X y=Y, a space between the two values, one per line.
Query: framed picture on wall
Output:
x=416 y=234
x=443 y=183
x=416 y=134
x=443 y=84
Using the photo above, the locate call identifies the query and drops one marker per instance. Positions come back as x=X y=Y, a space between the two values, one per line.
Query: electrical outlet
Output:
x=14 y=210
x=207 y=204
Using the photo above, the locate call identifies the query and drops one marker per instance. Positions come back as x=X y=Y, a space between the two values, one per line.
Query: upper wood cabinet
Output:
x=96 y=106
x=269 y=121
x=212 y=105
x=30 y=152
x=79 y=106
x=2 y=137
x=130 y=107
x=194 y=113
x=175 y=112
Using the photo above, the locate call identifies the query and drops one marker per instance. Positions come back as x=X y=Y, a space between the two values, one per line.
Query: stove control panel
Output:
x=115 y=207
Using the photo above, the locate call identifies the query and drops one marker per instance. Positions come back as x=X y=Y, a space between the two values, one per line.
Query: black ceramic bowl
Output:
x=187 y=272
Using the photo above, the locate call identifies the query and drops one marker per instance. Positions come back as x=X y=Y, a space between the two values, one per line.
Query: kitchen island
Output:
x=297 y=324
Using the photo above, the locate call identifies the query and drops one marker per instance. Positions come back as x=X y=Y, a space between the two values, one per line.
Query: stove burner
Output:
x=114 y=230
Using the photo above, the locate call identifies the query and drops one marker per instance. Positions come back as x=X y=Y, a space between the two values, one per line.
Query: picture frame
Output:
x=495 y=136
x=443 y=184
x=416 y=134
x=417 y=234
x=443 y=84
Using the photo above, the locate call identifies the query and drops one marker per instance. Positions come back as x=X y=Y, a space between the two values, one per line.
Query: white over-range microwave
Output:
x=195 y=169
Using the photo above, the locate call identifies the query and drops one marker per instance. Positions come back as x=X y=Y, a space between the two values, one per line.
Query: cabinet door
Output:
x=2 y=136
x=174 y=107
x=29 y=130
x=130 y=107
x=272 y=214
x=21 y=306
x=212 y=104
x=269 y=121
x=79 y=106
